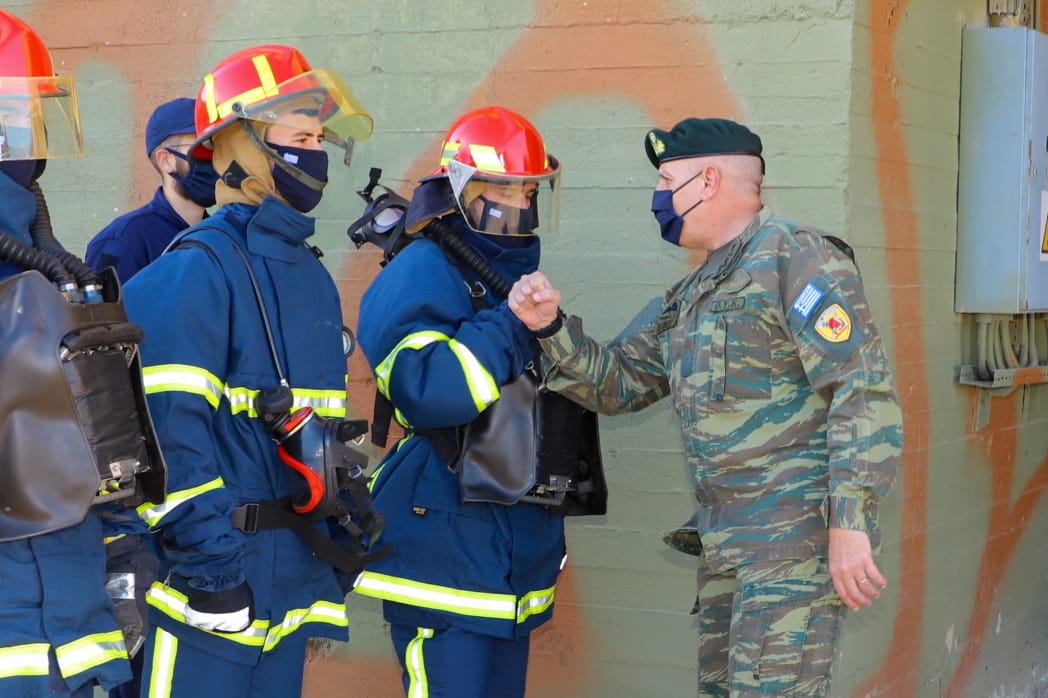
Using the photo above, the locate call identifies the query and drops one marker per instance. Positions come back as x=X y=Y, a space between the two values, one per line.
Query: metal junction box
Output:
x=1002 y=221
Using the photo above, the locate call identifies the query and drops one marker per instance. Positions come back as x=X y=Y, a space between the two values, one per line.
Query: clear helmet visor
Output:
x=507 y=205
x=318 y=93
x=39 y=118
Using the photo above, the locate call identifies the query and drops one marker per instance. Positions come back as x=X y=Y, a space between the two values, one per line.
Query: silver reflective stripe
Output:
x=467 y=603
x=483 y=388
x=414 y=660
x=153 y=514
x=24 y=660
x=167 y=378
x=89 y=652
x=165 y=649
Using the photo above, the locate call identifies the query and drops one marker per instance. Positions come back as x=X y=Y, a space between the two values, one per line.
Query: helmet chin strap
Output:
x=274 y=157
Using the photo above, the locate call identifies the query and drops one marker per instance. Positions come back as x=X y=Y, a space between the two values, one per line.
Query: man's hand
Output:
x=857 y=580
x=534 y=300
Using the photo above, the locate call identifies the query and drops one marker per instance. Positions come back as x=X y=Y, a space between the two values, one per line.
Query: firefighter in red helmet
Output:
x=476 y=528
x=244 y=351
x=74 y=437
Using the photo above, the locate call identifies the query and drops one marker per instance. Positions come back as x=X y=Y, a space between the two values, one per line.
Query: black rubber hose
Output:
x=44 y=239
x=28 y=257
x=447 y=238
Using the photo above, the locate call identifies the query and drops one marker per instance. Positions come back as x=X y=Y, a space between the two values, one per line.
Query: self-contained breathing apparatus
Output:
x=75 y=429
x=530 y=446
x=335 y=482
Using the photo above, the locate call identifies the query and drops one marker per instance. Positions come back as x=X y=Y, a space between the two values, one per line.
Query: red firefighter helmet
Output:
x=497 y=156
x=39 y=117
x=267 y=83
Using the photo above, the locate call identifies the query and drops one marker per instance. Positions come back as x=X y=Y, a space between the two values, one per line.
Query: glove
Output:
x=228 y=611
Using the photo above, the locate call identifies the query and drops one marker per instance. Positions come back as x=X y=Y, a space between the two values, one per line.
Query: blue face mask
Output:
x=670 y=224
x=199 y=184
x=503 y=219
x=314 y=163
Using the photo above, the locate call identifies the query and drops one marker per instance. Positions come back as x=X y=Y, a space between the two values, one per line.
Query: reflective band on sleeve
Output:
x=89 y=652
x=465 y=603
x=534 y=603
x=24 y=660
x=170 y=378
x=482 y=386
x=152 y=514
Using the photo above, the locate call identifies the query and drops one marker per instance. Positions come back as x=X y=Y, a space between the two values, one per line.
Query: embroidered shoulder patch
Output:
x=807 y=301
x=834 y=325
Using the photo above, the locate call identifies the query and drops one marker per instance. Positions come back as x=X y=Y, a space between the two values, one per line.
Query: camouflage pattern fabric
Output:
x=767 y=629
x=786 y=401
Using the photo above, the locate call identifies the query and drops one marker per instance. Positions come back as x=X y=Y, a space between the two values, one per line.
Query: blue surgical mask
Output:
x=670 y=223
x=503 y=219
x=199 y=183
x=314 y=163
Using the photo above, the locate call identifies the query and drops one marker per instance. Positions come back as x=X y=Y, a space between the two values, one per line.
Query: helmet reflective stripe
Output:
x=154 y=514
x=24 y=660
x=482 y=386
x=89 y=652
x=267 y=87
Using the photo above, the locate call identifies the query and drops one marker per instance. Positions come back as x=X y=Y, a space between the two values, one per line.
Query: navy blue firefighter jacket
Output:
x=486 y=568
x=205 y=357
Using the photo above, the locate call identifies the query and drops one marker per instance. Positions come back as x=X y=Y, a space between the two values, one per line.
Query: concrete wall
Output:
x=857 y=103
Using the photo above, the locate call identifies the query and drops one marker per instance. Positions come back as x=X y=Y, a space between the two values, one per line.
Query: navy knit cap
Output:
x=169 y=119
x=694 y=138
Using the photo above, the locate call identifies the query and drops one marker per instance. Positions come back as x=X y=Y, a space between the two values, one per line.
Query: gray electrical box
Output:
x=1002 y=207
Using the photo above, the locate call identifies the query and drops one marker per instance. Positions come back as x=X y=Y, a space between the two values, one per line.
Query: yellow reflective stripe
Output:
x=416 y=341
x=448 y=152
x=162 y=673
x=482 y=386
x=534 y=603
x=261 y=633
x=90 y=651
x=152 y=514
x=414 y=661
x=265 y=74
x=326 y=403
x=168 y=378
x=267 y=87
x=319 y=612
x=441 y=598
x=486 y=158
x=24 y=660
x=207 y=93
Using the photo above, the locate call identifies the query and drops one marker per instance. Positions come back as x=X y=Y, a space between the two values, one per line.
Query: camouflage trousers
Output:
x=767 y=629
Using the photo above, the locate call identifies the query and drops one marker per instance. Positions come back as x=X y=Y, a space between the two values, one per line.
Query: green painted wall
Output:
x=857 y=103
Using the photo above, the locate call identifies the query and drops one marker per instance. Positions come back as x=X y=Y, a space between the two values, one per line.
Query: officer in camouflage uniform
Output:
x=787 y=405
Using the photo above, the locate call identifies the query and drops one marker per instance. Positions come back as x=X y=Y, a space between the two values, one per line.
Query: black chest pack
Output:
x=531 y=446
x=75 y=429
x=334 y=480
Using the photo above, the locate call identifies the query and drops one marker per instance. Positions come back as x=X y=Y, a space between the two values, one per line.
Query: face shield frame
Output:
x=39 y=118
x=542 y=217
x=316 y=92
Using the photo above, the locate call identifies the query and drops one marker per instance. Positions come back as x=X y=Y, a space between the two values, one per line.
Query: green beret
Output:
x=694 y=138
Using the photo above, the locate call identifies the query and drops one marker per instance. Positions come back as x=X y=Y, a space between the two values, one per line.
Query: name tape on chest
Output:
x=722 y=305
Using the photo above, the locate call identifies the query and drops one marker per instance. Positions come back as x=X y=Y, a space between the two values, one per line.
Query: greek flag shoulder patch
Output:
x=807 y=301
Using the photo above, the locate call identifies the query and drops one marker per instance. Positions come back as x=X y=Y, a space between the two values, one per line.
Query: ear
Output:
x=162 y=160
x=712 y=179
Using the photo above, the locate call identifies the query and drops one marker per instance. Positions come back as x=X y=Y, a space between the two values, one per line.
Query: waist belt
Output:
x=350 y=558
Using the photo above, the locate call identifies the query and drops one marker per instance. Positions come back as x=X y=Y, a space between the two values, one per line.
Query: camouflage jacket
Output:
x=786 y=401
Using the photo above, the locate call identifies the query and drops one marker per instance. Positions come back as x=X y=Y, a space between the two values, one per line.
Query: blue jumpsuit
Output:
x=136 y=238
x=205 y=357
x=465 y=584
x=58 y=635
